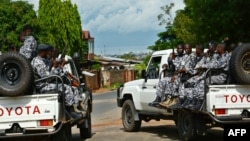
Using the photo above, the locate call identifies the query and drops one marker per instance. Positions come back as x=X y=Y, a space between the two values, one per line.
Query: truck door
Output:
x=147 y=94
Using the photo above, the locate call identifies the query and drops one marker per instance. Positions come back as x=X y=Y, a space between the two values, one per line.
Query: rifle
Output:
x=60 y=58
x=173 y=54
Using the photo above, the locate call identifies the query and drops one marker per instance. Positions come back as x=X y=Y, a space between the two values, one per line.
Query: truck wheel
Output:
x=85 y=127
x=64 y=134
x=128 y=121
x=240 y=64
x=185 y=126
x=16 y=75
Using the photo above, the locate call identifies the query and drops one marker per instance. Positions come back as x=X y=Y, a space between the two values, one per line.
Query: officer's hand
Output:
x=182 y=70
x=164 y=66
x=63 y=62
x=55 y=63
x=173 y=78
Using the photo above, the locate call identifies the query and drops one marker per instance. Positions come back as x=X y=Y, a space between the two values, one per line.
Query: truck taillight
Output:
x=220 y=111
x=47 y=122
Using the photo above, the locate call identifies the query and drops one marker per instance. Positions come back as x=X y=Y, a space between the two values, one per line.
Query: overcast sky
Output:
x=121 y=26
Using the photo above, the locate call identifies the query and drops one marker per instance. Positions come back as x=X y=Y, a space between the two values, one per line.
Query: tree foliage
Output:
x=216 y=19
x=13 y=15
x=167 y=39
x=60 y=25
x=204 y=20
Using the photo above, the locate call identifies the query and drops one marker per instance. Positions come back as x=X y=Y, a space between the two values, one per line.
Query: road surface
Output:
x=107 y=125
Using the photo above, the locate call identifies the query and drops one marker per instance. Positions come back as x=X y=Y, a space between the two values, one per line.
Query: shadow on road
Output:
x=170 y=132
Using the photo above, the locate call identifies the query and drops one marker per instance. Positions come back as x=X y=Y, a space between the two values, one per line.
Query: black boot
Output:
x=72 y=113
x=156 y=102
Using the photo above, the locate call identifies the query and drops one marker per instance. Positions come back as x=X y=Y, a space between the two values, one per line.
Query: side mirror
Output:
x=144 y=75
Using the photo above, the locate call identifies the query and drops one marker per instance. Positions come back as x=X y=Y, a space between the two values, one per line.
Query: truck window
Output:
x=154 y=67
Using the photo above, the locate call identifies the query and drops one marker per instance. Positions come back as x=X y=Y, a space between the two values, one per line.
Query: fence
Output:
x=109 y=77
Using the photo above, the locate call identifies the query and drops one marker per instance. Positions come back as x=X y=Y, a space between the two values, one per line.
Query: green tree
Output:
x=13 y=15
x=60 y=25
x=204 y=20
x=216 y=19
x=182 y=28
x=167 y=39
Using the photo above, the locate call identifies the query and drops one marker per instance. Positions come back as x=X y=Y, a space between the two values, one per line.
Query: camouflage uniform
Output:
x=165 y=86
x=42 y=69
x=28 y=49
x=190 y=62
x=198 y=75
x=222 y=62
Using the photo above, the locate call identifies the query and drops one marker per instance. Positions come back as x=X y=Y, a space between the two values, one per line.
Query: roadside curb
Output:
x=95 y=92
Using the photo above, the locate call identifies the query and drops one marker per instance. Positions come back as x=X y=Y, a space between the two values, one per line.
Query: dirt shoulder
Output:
x=102 y=90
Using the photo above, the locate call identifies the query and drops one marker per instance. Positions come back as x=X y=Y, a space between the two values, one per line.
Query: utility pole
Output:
x=104 y=50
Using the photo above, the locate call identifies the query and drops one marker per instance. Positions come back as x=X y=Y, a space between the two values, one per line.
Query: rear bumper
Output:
x=33 y=133
x=236 y=119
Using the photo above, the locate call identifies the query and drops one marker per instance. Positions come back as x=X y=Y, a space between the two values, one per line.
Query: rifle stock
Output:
x=173 y=54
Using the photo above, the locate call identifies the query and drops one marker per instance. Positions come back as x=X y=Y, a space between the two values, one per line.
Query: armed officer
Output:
x=41 y=67
x=168 y=85
x=29 y=46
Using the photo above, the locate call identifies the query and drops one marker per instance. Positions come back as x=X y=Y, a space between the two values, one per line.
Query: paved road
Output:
x=107 y=125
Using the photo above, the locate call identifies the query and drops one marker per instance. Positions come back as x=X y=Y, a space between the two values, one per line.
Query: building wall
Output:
x=93 y=82
x=109 y=77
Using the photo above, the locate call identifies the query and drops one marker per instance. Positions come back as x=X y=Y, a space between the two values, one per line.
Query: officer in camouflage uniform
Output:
x=218 y=77
x=168 y=85
x=187 y=74
x=29 y=47
x=199 y=74
x=41 y=67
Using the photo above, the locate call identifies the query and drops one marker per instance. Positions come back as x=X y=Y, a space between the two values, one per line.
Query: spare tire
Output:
x=240 y=64
x=16 y=75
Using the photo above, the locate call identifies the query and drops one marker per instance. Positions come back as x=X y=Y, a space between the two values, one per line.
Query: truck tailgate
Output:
x=28 y=111
x=228 y=99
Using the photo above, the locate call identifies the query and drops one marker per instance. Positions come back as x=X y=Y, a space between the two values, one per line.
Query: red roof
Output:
x=86 y=35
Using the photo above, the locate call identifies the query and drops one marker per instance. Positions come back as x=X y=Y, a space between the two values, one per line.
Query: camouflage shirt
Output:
x=221 y=62
x=180 y=61
x=42 y=67
x=28 y=49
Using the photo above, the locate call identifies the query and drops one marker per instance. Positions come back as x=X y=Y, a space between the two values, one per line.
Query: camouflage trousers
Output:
x=198 y=90
x=166 y=87
x=72 y=94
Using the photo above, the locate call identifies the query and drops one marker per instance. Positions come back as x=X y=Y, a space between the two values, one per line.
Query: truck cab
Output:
x=224 y=104
x=134 y=96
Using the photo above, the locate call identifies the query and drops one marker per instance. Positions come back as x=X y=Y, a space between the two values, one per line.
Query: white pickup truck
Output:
x=25 y=113
x=224 y=104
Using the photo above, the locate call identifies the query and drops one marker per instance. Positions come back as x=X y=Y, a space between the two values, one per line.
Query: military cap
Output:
x=26 y=27
x=43 y=47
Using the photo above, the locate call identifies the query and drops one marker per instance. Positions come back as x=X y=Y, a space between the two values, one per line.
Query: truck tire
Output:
x=186 y=126
x=86 y=127
x=128 y=120
x=240 y=64
x=16 y=75
x=65 y=134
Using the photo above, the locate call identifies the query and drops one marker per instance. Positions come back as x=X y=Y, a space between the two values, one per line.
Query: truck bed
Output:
x=229 y=102
x=31 y=111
